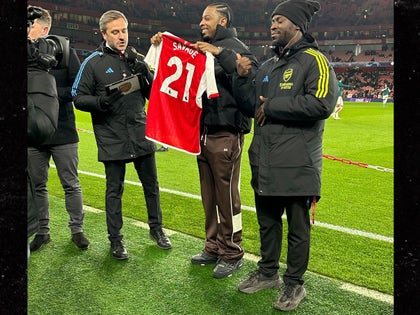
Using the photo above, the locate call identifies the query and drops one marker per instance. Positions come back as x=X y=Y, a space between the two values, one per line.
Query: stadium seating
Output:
x=366 y=23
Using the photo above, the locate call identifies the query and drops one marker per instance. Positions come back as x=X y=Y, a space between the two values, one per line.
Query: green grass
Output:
x=352 y=197
x=65 y=280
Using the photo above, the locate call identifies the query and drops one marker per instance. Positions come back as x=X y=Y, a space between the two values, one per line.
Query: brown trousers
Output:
x=219 y=166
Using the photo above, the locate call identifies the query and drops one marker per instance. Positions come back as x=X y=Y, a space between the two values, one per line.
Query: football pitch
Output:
x=351 y=262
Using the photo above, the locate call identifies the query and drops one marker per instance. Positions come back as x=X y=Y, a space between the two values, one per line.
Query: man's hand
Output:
x=260 y=115
x=106 y=101
x=156 y=39
x=243 y=65
x=207 y=47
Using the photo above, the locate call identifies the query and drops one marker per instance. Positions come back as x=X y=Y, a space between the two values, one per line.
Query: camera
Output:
x=52 y=51
x=49 y=52
x=59 y=47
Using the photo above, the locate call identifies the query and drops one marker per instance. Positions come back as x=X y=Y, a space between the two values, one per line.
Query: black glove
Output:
x=146 y=77
x=106 y=101
x=141 y=67
x=136 y=60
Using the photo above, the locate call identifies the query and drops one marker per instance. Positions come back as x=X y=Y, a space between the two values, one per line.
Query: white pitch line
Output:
x=369 y=293
x=244 y=207
x=379 y=296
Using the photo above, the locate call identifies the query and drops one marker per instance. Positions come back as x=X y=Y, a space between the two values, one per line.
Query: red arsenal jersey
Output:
x=182 y=75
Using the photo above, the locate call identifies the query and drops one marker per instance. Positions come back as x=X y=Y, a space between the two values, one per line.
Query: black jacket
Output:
x=222 y=113
x=119 y=131
x=43 y=106
x=286 y=153
x=64 y=77
x=66 y=132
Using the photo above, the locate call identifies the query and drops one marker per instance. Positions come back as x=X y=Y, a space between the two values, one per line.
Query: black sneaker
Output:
x=204 y=259
x=160 y=238
x=118 y=250
x=162 y=149
x=38 y=241
x=290 y=297
x=257 y=281
x=80 y=240
x=224 y=269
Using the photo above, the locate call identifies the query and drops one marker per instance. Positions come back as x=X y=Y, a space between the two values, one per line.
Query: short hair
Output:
x=224 y=10
x=110 y=16
x=45 y=18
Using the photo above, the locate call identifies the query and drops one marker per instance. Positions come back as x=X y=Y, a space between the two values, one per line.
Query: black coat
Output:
x=66 y=130
x=286 y=153
x=119 y=131
x=223 y=112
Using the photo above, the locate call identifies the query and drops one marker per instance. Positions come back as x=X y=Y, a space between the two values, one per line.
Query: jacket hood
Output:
x=222 y=33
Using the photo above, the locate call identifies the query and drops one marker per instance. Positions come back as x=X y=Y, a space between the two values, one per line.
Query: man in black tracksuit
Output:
x=293 y=93
x=119 y=123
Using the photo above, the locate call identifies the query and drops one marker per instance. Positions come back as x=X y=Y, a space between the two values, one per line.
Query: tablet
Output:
x=126 y=86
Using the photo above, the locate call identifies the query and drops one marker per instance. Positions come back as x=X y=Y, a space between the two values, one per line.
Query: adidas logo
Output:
x=265 y=78
x=109 y=70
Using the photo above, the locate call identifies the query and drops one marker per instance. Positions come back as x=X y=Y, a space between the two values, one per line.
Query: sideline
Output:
x=376 y=295
x=341 y=229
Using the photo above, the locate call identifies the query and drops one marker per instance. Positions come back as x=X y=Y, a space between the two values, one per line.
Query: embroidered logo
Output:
x=109 y=70
x=265 y=79
x=287 y=75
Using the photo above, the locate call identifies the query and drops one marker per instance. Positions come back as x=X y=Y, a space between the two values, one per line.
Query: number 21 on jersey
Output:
x=165 y=88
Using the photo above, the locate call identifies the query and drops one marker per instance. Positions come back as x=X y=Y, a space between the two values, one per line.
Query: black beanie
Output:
x=299 y=12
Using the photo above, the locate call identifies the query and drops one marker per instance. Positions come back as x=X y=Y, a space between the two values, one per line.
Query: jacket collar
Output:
x=305 y=42
x=104 y=48
x=222 y=33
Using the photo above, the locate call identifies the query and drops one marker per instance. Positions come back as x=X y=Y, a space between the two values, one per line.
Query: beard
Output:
x=206 y=38
x=280 y=42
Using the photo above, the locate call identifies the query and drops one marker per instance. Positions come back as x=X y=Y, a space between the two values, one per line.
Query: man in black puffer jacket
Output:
x=222 y=137
x=290 y=97
x=119 y=124
x=222 y=127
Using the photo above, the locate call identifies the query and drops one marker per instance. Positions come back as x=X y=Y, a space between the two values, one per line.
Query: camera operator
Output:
x=42 y=108
x=62 y=146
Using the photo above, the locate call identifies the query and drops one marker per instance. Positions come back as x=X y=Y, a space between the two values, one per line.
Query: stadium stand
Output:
x=355 y=35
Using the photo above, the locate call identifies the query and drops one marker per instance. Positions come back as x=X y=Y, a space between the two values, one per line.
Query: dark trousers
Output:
x=219 y=167
x=115 y=174
x=66 y=160
x=269 y=212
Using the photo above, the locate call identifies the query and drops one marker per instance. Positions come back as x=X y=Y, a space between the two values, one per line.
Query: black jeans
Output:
x=269 y=212
x=66 y=160
x=147 y=173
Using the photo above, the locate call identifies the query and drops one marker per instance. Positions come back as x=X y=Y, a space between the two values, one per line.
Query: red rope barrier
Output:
x=360 y=164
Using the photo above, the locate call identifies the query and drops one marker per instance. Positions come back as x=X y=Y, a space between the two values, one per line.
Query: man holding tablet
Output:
x=119 y=122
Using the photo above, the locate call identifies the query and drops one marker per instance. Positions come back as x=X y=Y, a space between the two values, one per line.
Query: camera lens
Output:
x=54 y=47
